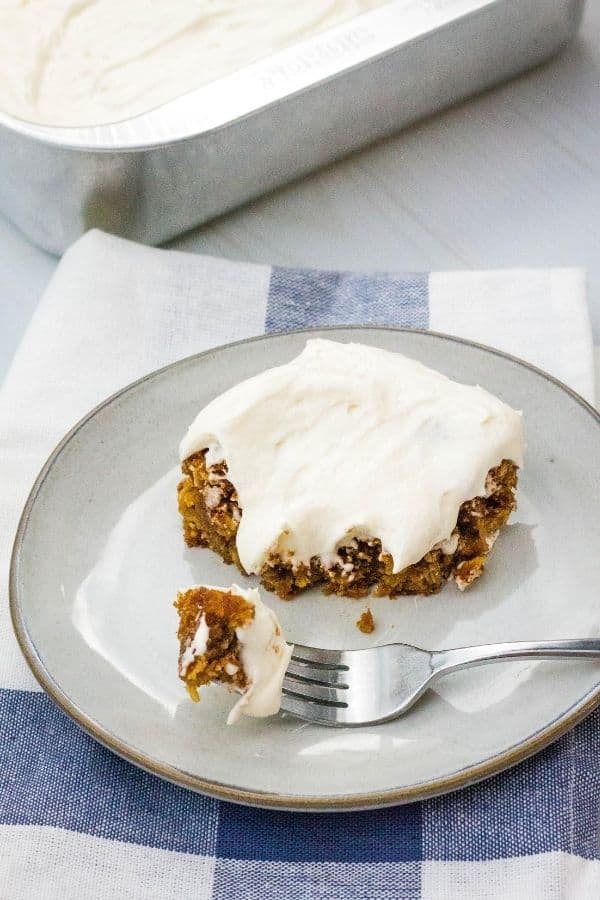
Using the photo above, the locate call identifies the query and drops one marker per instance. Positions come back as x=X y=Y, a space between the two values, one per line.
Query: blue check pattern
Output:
x=53 y=774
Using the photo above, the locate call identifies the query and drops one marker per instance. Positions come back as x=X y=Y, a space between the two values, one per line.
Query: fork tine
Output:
x=314 y=692
x=320 y=713
x=323 y=676
x=318 y=657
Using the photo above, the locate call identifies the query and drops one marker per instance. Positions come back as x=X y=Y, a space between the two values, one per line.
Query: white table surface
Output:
x=509 y=178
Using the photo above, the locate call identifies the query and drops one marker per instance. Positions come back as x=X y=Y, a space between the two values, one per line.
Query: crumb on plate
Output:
x=366 y=623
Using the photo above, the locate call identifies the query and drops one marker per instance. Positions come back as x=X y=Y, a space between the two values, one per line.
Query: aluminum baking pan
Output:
x=160 y=173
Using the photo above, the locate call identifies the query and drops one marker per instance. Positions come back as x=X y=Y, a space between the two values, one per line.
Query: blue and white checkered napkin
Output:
x=76 y=821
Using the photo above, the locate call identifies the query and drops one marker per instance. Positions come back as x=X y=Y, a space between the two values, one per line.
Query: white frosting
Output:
x=264 y=655
x=352 y=441
x=84 y=62
x=196 y=647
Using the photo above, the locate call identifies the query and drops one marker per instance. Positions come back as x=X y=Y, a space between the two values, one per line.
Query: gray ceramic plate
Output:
x=99 y=557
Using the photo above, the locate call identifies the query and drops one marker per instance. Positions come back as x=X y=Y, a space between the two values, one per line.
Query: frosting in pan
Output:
x=349 y=441
x=87 y=62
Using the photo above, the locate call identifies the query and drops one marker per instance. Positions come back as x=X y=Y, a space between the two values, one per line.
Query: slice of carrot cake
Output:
x=351 y=468
x=229 y=635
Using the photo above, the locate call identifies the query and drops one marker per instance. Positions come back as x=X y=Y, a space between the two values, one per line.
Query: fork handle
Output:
x=444 y=661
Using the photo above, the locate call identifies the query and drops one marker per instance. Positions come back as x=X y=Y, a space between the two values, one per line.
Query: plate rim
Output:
x=272 y=799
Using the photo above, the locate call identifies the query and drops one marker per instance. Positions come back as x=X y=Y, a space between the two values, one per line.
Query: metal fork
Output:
x=363 y=687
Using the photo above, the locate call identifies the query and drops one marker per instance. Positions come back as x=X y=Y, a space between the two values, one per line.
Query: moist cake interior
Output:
x=223 y=612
